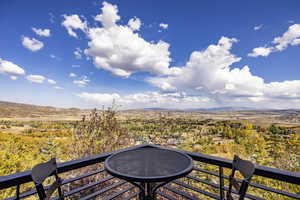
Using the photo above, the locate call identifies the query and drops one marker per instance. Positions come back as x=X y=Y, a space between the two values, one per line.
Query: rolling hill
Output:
x=10 y=110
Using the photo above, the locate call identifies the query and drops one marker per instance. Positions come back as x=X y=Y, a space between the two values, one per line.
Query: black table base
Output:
x=148 y=190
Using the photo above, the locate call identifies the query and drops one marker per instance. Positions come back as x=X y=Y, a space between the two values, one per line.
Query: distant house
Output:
x=27 y=126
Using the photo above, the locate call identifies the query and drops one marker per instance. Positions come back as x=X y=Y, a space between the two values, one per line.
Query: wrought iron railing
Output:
x=208 y=180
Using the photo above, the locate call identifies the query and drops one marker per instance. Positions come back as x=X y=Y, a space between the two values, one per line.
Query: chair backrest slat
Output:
x=246 y=168
x=39 y=174
x=41 y=171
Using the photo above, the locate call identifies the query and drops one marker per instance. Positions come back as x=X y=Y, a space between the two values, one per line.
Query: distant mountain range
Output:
x=225 y=109
x=204 y=109
x=11 y=109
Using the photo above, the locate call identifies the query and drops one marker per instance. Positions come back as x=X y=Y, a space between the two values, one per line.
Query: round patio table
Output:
x=149 y=168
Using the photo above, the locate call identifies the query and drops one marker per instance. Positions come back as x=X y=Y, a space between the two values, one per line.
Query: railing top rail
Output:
x=273 y=173
x=267 y=172
x=25 y=177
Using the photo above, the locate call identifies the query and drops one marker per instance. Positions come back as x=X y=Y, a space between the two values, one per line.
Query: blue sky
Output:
x=170 y=54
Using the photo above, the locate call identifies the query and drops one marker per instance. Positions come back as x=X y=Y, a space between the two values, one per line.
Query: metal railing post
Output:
x=18 y=192
x=221 y=185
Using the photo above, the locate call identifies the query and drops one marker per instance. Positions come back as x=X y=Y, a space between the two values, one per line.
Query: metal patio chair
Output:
x=246 y=169
x=39 y=174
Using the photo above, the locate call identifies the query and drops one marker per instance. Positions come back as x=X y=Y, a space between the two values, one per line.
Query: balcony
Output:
x=86 y=179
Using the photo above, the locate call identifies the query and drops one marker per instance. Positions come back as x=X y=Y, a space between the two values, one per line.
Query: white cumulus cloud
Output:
x=147 y=99
x=73 y=22
x=13 y=78
x=72 y=75
x=260 y=51
x=210 y=73
x=109 y=15
x=82 y=82
x=11 y=69
x=134 y=24
x=283 y=90
x=164 y=26
x=290 y=37
x=32 y=44
x=117 y=48
x=256 y=28
x=77 y=53
x=36 y=78
x=42 y=32
x=50 y=81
